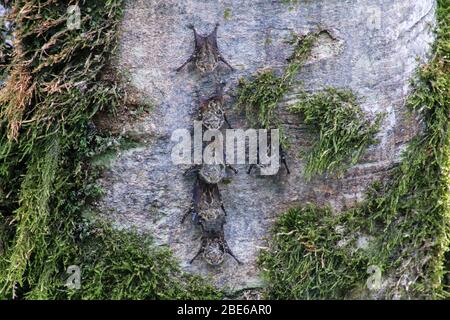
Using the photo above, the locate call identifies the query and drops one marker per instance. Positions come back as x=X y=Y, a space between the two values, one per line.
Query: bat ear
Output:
x=191 y=26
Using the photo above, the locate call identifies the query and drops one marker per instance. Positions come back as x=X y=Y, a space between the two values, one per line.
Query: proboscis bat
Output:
x=212 y=112
x=209 y=213
x=206 y=56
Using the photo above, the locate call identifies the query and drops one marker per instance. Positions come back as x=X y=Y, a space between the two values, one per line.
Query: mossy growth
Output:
x=344 y=133
x=343 y=130
x=260 y=97
x=126 y=265
x=406 y=218
x=311 y=257
x=53 y=90
x=291 y=2
x=227 y=14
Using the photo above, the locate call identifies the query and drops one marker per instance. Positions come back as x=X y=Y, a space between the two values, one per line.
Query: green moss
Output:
x=5 y=50
x=406 y=218
x=125 y=265
x=32 y=229
x=344 y=132
x=47 y=179
x=227 y=14
x=290 y=1
x=307 y=261
x=260 y=97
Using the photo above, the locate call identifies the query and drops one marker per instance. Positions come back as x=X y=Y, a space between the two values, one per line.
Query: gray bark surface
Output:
x=370 y=47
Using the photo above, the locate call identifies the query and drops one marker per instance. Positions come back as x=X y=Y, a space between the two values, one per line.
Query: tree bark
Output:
x=370 y=47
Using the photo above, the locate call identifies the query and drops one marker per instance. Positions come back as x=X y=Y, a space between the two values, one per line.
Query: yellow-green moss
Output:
x=227 y=14
x=260 y=97
x=344 y=131
x=305 y=260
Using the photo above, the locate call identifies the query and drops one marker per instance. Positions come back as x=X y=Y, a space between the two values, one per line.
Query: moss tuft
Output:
x=227 y=14
x=260 y=96
x=343 y=130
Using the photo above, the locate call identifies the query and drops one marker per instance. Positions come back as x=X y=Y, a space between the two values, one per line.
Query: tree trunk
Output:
x=368 y=46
